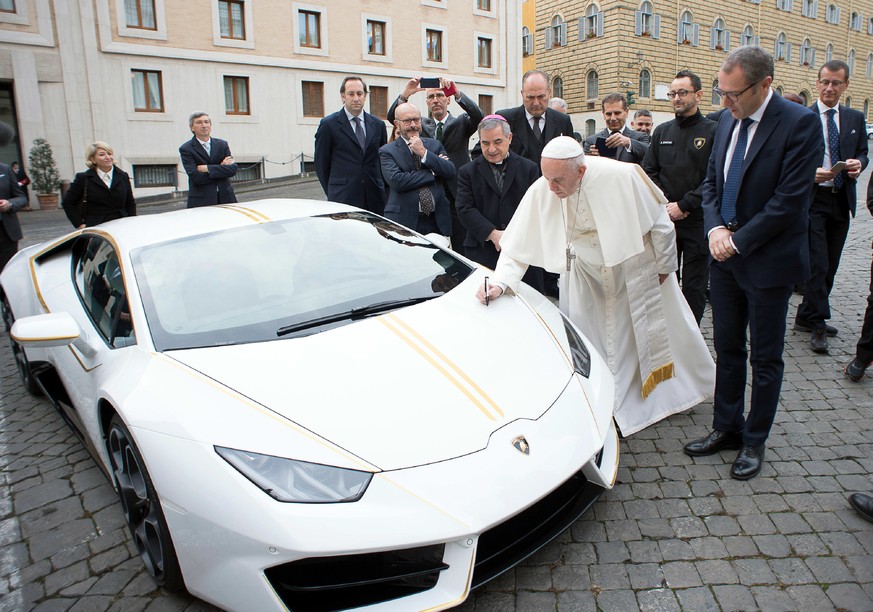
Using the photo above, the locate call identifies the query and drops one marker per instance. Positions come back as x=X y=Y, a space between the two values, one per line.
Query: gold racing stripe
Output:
x=442 y=363
x=251 y=213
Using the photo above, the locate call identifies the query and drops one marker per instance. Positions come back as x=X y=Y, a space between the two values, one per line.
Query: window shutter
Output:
x=656 y=26
x=638 y=23
x=563 y=34
x=713 y=37
x=598 y=20
x=727 y=40
x=787 y=53
x=696 y=34
x=679 y=33
x=581 y=28
x=548 y=44
x=756 y=40
x=812 y=58
x=839 y=10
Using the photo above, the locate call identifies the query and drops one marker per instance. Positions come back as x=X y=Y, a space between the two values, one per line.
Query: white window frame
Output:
x=782 y=49
x=20 y=16
x=596 y=95
x=784 y=5
x=693 y=30
x=552 y=29
x=829 y=52
x=856 y=21
x=527 y=42
x=444 y=41
x=248 y=42
x=807 y=53
x=160 y=31
x=168 y=115
x=440 y=4
x=322 y=51
x=809 y=8
x=388 y=58
x=591 y=25
x=646 y=14
x=832 y=14
x=850 y=60
x=720 y=36
x=476 y=67
x=869 y=72
x=492 y=14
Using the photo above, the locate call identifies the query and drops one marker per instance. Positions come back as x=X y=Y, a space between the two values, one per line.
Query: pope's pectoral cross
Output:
x=571 y=255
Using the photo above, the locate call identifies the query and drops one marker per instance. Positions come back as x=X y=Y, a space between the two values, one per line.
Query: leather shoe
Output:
x=818 y=342
x=714 y=442
x=855 y=370
x=803 y=326
x=749 y=461
x=863 y=505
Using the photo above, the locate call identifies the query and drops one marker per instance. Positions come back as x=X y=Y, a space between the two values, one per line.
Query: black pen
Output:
x=487 y=297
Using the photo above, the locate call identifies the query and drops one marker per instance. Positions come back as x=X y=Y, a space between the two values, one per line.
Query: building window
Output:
x=591 y=25
x=857 y=22
x=378 y=101
x=231 y=21
x=591 y=86
x=483 y=46
x=156 y=175
x=782 y=49
x=719 y=37
x=869 y=72
x=375 y=37
x=236 y=95
x=527 y=47
x=313 y=99
x=832 y=14
x=483 y=5
x=748 y=38
x=247 y=172
x=646 y=23
x=645 y=90
x=804 y=96
x=148 y=96
x=138 y=14
x=556 y=33
x=807 y=53
x=434 y=41
x=851 y=62
x=558 y=87
x=870 y=26
x=867 y=111
x=716 y=99
x=829 y=52
x=486 y=104
x=590 y=127
x=310 y=29
x=784 y=5
x=809 y=8
x=7 y=6
x=849 y=101
x=688 y=32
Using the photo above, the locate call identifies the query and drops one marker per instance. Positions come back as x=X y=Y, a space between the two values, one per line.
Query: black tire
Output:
x=28 y=380
x=142 y=508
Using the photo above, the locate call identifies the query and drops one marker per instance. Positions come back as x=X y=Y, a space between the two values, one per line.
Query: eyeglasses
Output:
x=731 y=95
x=410 y=121
x=825 y=83
x=681 y=93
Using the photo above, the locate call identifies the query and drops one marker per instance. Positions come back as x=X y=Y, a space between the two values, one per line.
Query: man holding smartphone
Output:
x=617 y=140
x=453 y=132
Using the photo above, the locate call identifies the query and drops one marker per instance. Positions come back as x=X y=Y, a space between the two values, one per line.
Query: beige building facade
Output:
x=129 y=72
x=593 y=48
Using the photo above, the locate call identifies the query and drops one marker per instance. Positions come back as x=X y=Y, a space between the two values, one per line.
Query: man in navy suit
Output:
x=208 y=163
x=489 y=190
x=347 y=151
x=756 y=199
x=834 y=199
x=415 y=169
x=628 y=145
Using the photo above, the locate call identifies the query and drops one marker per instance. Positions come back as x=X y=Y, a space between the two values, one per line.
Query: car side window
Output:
x=100 y=284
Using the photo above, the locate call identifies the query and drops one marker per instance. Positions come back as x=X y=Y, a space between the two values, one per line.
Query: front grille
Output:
x=509 y=543
x=336 y=583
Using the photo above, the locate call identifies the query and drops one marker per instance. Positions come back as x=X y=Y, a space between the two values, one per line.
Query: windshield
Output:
x=304 y=275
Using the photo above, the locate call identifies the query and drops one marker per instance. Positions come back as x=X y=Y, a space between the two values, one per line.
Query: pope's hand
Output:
x=494 y=292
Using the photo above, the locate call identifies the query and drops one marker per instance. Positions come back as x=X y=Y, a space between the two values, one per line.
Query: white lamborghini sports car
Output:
x=303 y=406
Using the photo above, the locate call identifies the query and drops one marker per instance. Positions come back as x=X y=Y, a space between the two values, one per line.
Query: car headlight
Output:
x=578 y=350
x=289 y=480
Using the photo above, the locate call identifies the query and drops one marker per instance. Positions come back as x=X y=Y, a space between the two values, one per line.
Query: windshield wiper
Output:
x=353 y=314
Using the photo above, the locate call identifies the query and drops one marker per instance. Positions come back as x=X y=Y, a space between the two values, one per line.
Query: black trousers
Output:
x=693 y=252
x=828 y=228
x=8 y=247
x=864 y=350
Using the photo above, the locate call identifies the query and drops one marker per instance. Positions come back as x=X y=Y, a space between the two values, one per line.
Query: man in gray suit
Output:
x=12 y=199
x=626 y=144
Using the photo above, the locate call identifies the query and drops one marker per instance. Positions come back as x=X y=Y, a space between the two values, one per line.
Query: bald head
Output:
x=407 y=119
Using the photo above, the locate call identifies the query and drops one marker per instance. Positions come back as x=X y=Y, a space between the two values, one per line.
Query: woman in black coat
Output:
x=101 y=193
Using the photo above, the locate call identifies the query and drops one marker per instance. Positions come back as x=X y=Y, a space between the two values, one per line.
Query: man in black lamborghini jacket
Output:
x=676 y=160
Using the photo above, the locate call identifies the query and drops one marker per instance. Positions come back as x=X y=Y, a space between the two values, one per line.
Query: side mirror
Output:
x=44 y=331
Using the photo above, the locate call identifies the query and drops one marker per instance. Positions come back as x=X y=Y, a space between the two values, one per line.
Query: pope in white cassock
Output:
x=603 y=226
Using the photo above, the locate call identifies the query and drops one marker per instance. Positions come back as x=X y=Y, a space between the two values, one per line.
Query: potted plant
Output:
x=44 y=174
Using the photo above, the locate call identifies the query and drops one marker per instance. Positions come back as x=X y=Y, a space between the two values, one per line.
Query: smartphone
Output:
x=839 y=166
x=450 y=91
x=429 y=83
x=600 y=145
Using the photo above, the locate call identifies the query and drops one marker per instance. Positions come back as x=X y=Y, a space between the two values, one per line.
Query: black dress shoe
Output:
x=714 y=442
x=803 y=326
x=855 y=370
x=818 y=342
x=863 y=504
x=748 y=463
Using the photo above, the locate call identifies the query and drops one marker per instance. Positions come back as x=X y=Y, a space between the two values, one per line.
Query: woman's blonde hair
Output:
x=91 y=152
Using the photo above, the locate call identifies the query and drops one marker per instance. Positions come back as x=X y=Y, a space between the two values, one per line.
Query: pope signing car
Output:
x=303 y=406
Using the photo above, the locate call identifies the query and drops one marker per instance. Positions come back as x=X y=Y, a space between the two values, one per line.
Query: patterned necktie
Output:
x=439 y=132
x=425 y=195
x=359 y=133
x=538 y=133
x=834 y=146
x=735 y=171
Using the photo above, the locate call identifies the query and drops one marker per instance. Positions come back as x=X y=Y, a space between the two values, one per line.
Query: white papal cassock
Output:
x=618 y=228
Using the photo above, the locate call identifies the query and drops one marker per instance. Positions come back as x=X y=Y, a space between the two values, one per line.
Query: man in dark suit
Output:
x=208 y=163
x=629 y=145
x=756 y=211
x=12 y=199
x=415 y=169
x=453 y=132
x=489 y=190
x=347 y=146
x=533 y=124
x=834 y=199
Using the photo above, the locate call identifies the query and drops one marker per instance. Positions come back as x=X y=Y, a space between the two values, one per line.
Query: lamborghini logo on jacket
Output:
x=699 y=142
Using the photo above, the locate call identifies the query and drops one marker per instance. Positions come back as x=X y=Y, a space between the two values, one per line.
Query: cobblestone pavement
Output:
x=675 y=533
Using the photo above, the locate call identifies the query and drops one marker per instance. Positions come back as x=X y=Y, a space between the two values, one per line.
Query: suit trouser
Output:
x=864 y=350
x=738 y=306
x=8 y=247
x=828 y=228
x=693 y=251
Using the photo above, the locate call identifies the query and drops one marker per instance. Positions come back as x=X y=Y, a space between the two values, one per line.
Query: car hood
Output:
x=415 y=386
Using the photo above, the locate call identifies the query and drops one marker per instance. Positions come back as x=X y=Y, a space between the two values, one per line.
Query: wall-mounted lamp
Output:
x=640 y=58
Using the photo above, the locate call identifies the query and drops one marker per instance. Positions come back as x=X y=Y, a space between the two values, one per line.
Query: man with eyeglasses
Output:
x=676 y=161
x=834 y=199
x=756 y=210
x=415 y=169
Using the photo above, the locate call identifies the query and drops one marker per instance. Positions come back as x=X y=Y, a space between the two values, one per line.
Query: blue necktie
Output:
x=735 y=171
x=834 y=146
